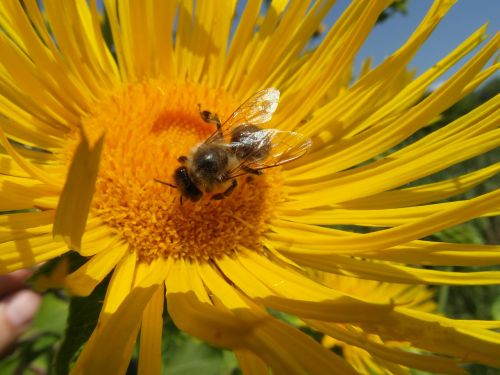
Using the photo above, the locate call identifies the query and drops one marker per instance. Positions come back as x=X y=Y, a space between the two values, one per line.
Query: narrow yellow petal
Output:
x=423 y=362
x=81 y=45
x=22 y=193
x=83 y=281
x=74 y=203
x=425 y=193
x=11 y=168
x=154 y=273
x=121 y=284
x=26 y=220
x=28 y=252
x=162 y=15
x=276 y=42
x=376 y=140
x=393 y=273
x=414 y=90
x=25 y=78
x=184 y=46
x=479 y=120
x=121 y=327
x=301 y=354
x=440 y=254
x=389 y=217
x=390 y=174
x=97 y=237
x=192 y=311
x=241 y=40
x=330 y=60
x=150 y=353
x=39 y=43
x=134 y=36
x=441 y=335
x=341 y=117
x=27 y=128
x=285 y=290
x=255 y=42
x=29 y=167
x=118 y=290
x=328 y=241
x=250 y=364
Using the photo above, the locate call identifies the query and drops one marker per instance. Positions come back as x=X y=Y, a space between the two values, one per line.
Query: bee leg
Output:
x=209 y=117
x=182 y=159
x=226 y=193
x=231 y=188
x=213 y=118
x=256 y=172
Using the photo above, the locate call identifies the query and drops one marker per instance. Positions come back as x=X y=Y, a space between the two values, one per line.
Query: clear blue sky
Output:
x=463 y=19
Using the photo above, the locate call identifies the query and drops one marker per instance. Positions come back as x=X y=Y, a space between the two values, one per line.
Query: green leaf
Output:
x=194 y=357
x=10 y=364
x=185 y=355
x=51 y=316
x=465 y=233
x=82 y=319
x=495 y=309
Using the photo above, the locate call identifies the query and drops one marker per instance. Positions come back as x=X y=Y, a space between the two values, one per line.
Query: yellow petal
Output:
x=394 y=273
x=74 y=203
x=24 y=225
x=285 y=349
x=328 y=241
x=433 y=364
x=120 y=284
x=121 y=329
x=425 y=193
x=29 y=167
x=389 y=217
x=83 y=281
x=288 y=291
x=188 y=305
x=441 y=335
x=28 y=252
x=440 y=254
x=250 y=364
x=150 y=354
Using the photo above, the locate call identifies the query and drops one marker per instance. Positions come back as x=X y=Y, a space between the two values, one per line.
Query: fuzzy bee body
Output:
x=238 y=146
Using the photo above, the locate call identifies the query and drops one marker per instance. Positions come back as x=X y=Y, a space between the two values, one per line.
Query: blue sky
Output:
x=463 y=19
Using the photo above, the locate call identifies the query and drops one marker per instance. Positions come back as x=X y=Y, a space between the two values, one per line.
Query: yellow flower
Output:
x=362 y=350
x=87 y=127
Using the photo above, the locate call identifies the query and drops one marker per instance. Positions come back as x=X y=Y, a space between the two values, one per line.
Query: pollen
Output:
x=147 y=128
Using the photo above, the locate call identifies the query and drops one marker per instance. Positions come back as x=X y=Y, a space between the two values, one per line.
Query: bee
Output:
x=237 y=147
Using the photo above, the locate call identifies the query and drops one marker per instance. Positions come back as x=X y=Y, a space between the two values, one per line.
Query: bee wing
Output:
x=283 y=147
x=256 y=110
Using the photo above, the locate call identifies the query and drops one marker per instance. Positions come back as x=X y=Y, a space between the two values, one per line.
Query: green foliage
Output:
x=398 y=6
x=185 y=355
x=82 y=319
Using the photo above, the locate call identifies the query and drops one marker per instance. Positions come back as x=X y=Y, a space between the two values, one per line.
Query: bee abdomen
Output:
x=248 y=144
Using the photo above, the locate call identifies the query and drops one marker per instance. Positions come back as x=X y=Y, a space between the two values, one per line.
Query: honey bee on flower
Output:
x=237 y=147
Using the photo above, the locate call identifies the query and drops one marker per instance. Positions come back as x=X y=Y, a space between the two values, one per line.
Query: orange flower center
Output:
x=148 y=126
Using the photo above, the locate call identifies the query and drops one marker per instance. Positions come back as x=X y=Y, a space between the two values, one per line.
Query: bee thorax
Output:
x=209 y=165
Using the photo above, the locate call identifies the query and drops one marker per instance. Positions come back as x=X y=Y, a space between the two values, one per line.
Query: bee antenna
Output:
x=165 y=183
